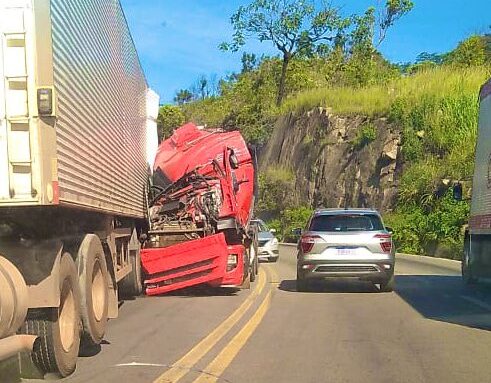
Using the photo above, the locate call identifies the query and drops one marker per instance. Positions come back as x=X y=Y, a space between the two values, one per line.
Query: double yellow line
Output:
x=213 y=371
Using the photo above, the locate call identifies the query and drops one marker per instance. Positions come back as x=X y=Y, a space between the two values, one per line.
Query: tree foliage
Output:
x=183 y=96
x=292 y=26
x=393 y=11
x=473 y=51
x=302 y=28
x=170 y=117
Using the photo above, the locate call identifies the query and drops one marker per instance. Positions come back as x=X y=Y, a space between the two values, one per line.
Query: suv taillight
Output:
x=385 y=242
x=307 y=242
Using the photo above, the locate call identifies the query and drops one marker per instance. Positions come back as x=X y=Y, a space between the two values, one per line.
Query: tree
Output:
x=302 y=28
x=393 y=11
x=249 y=62
x=292 y=26
x=170 y=117
x=470 y=52
x=425 y=57
x=183 y=96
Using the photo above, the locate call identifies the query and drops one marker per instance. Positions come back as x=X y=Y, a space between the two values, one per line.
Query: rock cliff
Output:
x=333 y=163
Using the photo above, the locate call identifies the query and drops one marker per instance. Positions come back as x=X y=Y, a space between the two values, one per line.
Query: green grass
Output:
x=366 y=134
x=436 y=111
x=377 y=100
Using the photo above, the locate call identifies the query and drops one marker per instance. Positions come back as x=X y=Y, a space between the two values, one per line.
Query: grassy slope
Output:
x=437 y=111
x=377 y=100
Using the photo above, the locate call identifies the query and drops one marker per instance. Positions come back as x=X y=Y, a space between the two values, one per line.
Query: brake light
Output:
x=307 y=242
x=385 y=242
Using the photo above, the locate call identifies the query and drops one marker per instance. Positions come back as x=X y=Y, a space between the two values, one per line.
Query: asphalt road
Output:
x=431 y=329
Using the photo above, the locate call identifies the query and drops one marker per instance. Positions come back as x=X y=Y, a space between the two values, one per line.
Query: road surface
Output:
x=431 y=329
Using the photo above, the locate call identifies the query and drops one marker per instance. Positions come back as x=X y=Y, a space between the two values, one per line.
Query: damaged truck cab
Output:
x=200 y=206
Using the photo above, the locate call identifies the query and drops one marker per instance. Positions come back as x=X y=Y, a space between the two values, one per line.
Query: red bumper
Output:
x=191 y=263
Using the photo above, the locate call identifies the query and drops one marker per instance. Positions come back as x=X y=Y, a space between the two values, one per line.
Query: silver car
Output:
x=268 y=248
x=351 y=243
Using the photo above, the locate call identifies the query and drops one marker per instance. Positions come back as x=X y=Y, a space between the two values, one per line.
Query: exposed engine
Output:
x=187 y=209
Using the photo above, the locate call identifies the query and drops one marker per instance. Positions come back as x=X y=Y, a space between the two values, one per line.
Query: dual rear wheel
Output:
x=58 y=329
x=82 y=315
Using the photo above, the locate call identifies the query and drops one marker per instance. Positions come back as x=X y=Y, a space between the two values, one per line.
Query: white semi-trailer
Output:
x=476 y=262
x=75 y=118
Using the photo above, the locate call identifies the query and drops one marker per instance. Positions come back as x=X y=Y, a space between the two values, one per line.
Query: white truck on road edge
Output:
x=476 y=261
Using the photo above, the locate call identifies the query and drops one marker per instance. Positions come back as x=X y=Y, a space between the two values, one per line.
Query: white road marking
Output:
x=132 y=364
x=477 y=302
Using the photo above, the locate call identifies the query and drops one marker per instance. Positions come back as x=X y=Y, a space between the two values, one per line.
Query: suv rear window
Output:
x=346 y=222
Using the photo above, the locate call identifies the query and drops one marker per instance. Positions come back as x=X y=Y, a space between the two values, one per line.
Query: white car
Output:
x=267 y=243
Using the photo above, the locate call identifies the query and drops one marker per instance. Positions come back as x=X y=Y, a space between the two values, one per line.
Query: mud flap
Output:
x=185 y=264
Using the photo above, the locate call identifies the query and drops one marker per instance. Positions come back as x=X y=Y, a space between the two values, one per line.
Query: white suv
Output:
x=351 y=243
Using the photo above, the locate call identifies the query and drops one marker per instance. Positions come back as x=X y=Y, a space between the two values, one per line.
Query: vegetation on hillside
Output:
x=433 y=101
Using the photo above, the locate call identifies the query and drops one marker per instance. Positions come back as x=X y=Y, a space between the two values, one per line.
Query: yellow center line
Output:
x=275 y=279
x=216 y=368
x=183 y=365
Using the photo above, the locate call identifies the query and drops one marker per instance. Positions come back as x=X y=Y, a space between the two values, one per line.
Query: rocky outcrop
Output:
x=331 y=167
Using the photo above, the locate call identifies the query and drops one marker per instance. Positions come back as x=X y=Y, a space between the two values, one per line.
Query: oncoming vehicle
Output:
x=351 y=243
x=267 y=242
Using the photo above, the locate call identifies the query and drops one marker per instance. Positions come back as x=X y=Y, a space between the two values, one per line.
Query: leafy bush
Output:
x=292 y=218
x=289 y=219
x=434 y=232
x=470 y=52
x=366 y=134
x=170 y=117
x=275 y=191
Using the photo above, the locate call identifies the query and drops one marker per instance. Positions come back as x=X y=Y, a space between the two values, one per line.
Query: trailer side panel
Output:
x=480 y=222
x=101 y=93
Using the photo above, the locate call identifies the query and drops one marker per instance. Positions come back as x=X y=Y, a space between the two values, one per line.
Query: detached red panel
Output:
x=185 y=264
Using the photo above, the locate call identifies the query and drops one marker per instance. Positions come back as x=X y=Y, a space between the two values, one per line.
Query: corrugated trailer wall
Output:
x=481 y=187
x=101 y=112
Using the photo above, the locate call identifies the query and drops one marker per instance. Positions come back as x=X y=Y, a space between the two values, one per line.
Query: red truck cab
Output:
x=200 y=207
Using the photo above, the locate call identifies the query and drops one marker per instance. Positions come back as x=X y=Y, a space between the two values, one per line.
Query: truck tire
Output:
x=254 y=267
x=246 y=284
x=56 y=349
x=253 y=272
x=246 y=281
x=132 y=284
x=94 y=290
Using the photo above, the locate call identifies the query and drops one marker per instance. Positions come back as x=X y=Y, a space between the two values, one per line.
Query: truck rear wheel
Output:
x=59 y=332
x=246 y=281
x=132 y=284
x=94 y=290
x=254 y=266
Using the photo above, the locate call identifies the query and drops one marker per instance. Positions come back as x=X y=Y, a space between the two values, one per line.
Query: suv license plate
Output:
x=346 y=251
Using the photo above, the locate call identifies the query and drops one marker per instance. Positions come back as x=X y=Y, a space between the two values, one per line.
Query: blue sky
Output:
x=177 y=41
